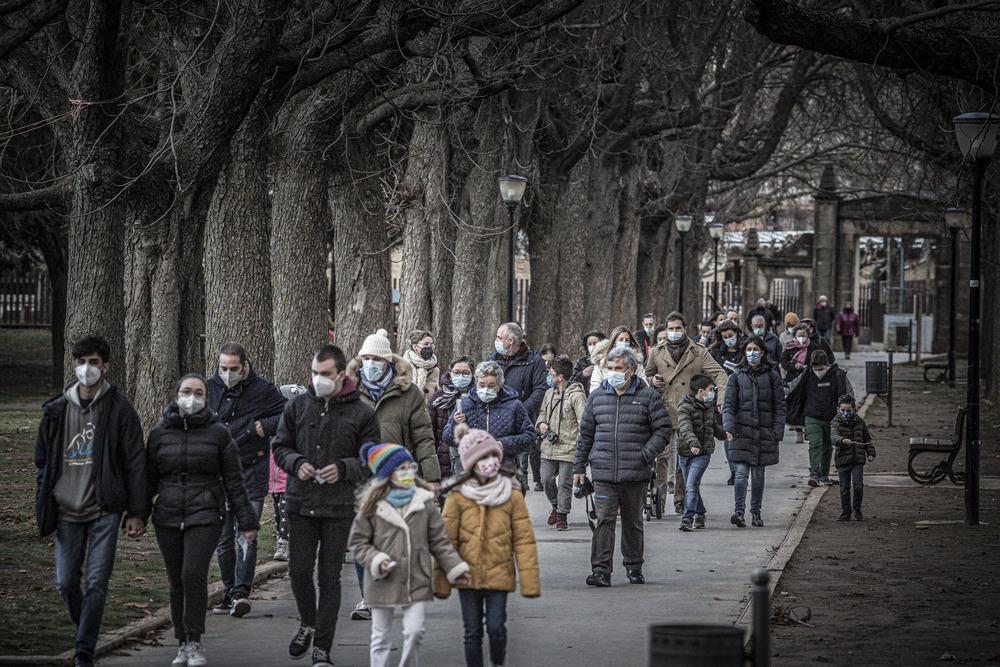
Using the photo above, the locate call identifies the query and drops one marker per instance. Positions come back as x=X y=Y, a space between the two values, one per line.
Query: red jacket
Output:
x=848 y=324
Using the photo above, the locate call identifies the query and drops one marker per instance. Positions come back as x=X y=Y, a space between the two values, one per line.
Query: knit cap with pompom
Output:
x=377 y=345
x=476 y=444
x=384 y=458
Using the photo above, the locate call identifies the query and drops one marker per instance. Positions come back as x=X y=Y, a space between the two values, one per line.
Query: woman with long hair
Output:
x=620 y=337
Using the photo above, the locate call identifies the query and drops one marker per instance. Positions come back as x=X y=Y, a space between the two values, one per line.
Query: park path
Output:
x=697 y=577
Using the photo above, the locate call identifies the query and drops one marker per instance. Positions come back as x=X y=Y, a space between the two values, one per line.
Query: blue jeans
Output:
x=852 y=474
x=756 y=475
x=693 y=468
x=96 y=540
x=473 y=601
x=237 y=571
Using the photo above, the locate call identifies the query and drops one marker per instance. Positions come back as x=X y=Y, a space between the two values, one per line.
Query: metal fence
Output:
x=786 y=294
x=729 y=297
x=25 y=299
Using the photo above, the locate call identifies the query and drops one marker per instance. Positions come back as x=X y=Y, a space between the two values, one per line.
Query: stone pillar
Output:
x=826 y=233
x=750 y=288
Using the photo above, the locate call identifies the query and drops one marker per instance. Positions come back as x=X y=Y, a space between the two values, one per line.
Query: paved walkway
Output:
x=697 y=577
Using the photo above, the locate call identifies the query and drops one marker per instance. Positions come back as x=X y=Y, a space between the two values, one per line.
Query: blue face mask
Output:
x=649 y=330
x=550 y=381
x=616 y=379
x=461 y=381
x=711 y=398
x=372 y=369
x=623 y=345
x=846 y=415
x=486 y=395
x=674 y=336
x=753 y=356
x=760 y=332
x=498 y=346
x=731 y=342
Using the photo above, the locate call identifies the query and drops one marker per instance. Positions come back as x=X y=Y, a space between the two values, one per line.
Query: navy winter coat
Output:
x=754 y=412
x=621 y=436
x=506 y=419
x=525 y=374
x=253 y=399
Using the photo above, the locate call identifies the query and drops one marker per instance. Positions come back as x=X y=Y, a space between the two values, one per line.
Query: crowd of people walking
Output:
x=418 y=468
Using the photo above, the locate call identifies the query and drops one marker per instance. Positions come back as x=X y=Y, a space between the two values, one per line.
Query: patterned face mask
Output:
x=405 y=478
x=488 y=466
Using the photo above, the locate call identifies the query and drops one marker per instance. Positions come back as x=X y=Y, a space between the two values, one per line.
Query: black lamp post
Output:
x=977 y=139
x=683 y=225
x=955 y=219
x=715 y=230
x=511 y=190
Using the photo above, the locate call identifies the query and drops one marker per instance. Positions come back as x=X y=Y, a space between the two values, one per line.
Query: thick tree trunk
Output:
x=238 y=252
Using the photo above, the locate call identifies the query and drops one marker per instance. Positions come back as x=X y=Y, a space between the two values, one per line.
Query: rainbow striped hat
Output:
x=384 y=458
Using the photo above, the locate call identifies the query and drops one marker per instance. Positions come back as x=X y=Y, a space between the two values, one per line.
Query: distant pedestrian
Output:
x=423 y=362
x=775 y=314
x=455 y=385
x=193 y=469
x=625 y=426
x=812 y=401
x=772 y=342
x=646 y=336
x=764 y=312
x=91 y=472
x=823 y=316
x=853 y=441
x=488 y=524
x=753 y=416
x=697 y=429
x=547 y=352
x=791 y=321
x=733 y=316
x=818 y=342
x=584 y=367
x=848 y=326
x=317 y=444
x=621 y=338
x=704 y=332
x=558 y=427
x=396 y=532
x=277 y=484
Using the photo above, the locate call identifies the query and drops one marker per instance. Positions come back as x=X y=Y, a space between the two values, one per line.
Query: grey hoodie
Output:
x=74 y=491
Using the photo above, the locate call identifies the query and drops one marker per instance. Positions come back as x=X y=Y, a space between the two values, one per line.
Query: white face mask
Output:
x=590 y=349
x=488 y=466
x=231 y=378
x=88 y=375
x=802 y=340
x=323 y=385
x=190 y=404
x=623 y=344
x=674 y=336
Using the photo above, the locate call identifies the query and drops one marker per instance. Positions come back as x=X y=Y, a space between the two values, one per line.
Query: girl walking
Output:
x=488 y=523
x=193 y=467
x=395 y=533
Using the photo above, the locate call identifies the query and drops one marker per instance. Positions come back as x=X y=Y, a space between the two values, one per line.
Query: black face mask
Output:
x=426 y=353
x=848 y=309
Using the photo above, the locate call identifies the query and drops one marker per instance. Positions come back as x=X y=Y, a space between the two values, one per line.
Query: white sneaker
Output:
x=196 y=655
x=362 y=612
x=182 y=656
x=281 y=550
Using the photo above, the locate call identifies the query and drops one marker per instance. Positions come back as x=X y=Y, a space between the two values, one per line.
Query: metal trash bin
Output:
x=693 y=645
x=876 y=377
x=903 y=336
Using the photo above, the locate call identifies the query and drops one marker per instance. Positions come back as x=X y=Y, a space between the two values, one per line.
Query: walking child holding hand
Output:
x=850 y=435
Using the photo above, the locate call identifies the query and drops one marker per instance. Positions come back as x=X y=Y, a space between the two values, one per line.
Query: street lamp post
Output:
x=977 y=139
x=955 y=219
x=511 y=190
x=683 y=225
x=715 y=230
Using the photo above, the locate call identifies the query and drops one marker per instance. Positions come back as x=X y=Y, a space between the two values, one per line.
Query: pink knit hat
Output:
x=475 y=445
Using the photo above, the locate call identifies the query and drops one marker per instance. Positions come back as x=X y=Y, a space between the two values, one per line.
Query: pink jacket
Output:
x=277 y=480
x=848 y=324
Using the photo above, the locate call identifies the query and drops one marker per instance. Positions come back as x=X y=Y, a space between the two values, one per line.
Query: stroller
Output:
x=655 y=499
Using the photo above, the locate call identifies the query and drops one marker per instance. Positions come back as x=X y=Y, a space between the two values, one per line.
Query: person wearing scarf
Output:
x=422 y=360
x=488 y=524
x=454 y=385
x=397 y=530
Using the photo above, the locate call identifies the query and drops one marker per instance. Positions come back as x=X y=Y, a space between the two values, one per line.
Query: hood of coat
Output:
x=574 y=388
x=216 y=378
x=402 y=371
x=505 y=395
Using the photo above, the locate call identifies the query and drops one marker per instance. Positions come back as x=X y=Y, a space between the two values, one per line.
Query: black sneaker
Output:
x=755 y=520
x=858 y=516
x=813 y=480
x=845 y=516
x=301 y=643
x=732 y=478
x=223 y=607
x=241 y=607
x=538 y=486
x=599 y=580
x=321 y=658
x=737 y=520
x=635 y=577
x=83 y=660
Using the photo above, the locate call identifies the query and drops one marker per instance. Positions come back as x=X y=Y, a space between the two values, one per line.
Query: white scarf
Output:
x=421 y=367
x=491 y=494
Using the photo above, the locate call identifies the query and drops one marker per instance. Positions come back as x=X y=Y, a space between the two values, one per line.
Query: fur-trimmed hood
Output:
x=402 y=371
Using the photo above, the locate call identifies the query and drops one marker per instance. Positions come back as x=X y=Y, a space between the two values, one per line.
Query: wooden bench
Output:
x=936 y=366
x=935 y=446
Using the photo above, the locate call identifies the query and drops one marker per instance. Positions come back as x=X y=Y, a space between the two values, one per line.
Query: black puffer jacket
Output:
x=193 y=465
x=324 y=432
x=621 y=436
x=525 y=373
x=582 y=364
x=754 y=412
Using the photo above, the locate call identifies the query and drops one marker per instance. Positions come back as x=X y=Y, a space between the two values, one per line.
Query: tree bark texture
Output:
x=238 y=252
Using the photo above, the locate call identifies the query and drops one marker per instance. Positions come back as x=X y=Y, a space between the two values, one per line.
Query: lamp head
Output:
x=682 y=223
x=956 y=218
x=976 y=134
x=716 y=230
x=512 y=188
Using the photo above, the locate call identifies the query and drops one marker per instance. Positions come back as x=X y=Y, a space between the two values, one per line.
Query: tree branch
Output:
x=13 y=38
x=53 y=196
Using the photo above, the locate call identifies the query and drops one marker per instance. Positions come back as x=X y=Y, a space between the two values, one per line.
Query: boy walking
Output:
x=697 y=430
x=850 y=435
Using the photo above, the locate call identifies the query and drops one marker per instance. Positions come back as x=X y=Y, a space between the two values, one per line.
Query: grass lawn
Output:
x=35 y=620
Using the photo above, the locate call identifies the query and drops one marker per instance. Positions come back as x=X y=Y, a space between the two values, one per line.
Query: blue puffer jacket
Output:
x=754 y=412
x=525 y=374
x=621 y=436
x=506 y=419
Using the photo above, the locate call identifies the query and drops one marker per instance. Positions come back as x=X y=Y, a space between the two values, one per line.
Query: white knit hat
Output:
x=377 y=345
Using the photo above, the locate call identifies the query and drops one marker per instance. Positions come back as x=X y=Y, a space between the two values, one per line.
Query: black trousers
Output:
x=848 y=342
x=187 y=555
x=629 y=497
x=330 y=536
x=535 y=459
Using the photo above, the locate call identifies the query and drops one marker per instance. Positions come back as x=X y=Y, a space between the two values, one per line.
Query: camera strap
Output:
x=591 y=512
